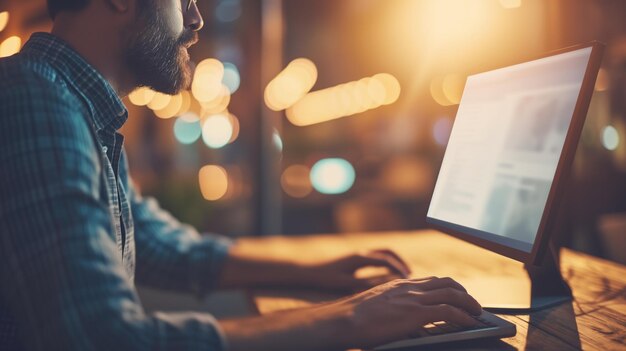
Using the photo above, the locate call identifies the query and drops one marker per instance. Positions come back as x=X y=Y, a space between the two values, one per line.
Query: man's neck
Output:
x=102 y=50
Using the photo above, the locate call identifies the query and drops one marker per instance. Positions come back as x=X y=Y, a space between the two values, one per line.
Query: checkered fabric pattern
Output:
x=72 y=225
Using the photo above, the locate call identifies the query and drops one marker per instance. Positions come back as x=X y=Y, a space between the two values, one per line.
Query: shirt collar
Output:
x=107 y=109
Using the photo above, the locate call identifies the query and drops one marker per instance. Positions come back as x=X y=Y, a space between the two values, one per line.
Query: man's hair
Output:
x=56 y=6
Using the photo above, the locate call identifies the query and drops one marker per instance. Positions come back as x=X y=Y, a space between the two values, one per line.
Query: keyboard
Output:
x=489 y=326
x=437 y=328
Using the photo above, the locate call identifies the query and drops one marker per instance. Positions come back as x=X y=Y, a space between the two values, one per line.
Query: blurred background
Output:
x=333 y=116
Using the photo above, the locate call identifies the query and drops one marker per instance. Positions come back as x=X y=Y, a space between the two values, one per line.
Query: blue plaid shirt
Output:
x=70 y=219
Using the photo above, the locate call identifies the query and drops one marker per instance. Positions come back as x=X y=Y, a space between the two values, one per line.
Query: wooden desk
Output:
x=595 y=320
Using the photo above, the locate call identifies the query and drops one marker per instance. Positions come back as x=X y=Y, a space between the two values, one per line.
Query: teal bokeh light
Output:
x=187 y=129
x=231 y=77
x=332 y=176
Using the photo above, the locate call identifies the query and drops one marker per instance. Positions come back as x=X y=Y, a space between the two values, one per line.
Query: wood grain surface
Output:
x=594 y=320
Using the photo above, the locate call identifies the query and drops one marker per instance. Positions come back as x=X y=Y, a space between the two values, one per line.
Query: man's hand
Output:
x=339 y=274
x=389 y=312
x=395 y=310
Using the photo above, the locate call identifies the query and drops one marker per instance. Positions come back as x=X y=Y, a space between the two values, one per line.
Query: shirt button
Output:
x=105 y=149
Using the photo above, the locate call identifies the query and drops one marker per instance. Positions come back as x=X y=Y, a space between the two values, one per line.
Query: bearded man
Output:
x=76 y=235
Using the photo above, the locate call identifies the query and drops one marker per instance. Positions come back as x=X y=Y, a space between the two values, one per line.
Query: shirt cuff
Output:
x=207 y=262
x=189 y=331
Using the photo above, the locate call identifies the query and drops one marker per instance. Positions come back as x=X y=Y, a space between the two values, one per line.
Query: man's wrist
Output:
x=298 y=274
x=243 y=271
x=319 y=327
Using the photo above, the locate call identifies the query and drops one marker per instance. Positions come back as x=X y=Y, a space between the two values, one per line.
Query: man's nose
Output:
x=193 y=19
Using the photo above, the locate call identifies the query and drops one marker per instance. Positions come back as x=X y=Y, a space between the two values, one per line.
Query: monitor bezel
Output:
x=548 y=218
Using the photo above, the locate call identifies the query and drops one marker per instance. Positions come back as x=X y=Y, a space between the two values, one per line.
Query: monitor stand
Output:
x=529 y=289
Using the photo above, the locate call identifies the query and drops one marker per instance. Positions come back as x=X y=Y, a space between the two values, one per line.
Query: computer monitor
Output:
x=511 y=147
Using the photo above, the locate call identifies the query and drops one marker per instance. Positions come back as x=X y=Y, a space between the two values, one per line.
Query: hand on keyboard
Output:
x=441 y=327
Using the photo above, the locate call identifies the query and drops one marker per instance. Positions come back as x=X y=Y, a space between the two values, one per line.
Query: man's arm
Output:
x=174 y=256
x=243 y=270
x=389 y=312
x=62 y=278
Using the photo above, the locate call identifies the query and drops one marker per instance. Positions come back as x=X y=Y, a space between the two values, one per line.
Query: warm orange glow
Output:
x=345 y=100
x=4 y=20
x=210 y=66
x=159 y=101
x=218 y=104
x=391 y=87
x=511 y=4
x=291 y=84
x=213 y=182
x=376 y=91
x=453 y=36
x=217 y=130
x=603 y=81
x=207 y=80
x=436 y=91
x=452 y=86
x=234 y=122
x=10 y=46
x=185 y=104
x=141 y=96
x=172 y=108
x=194 y=106
x=295 y=181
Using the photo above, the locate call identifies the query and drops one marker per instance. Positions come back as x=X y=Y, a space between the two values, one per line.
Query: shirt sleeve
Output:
x=172 y=255
x=62 y=278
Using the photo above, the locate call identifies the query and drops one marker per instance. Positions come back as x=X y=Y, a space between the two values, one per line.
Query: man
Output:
x=72 y=225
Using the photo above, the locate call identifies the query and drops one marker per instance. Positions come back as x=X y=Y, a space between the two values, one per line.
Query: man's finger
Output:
x=450 y=296
x=438 y=283
x=370 y=282
x=361 y=261
x=450 y=314
x=399 y=259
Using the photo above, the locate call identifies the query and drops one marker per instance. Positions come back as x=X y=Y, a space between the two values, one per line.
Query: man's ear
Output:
x=120 y=6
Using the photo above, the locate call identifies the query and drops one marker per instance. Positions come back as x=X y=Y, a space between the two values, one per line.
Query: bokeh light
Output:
x=436 y=91
x=453 y=86
x=277 y=140
x=185 y=104
x=344 y=100
x=332 y=176
x=391 y=86
x=610 y=138
x=141 y=96
x=234 y=122
x=213 y=182
x=603 y=80
x=159 y=101
x=291 y=84
x=231 y=78
x=4 y=20
x=10 y=46
x=207 y=80
x=228 y=10
x=217 y=130
x=218 y=104
x=441 y=130
x=295 y=181
x=187 y=128
x=172 y=107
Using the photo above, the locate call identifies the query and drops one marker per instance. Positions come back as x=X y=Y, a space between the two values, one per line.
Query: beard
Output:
x=159 y=60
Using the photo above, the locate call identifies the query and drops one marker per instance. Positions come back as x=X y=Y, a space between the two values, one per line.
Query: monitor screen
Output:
x=504 y=148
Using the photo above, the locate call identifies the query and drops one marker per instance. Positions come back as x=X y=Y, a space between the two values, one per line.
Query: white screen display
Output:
x=504 y=147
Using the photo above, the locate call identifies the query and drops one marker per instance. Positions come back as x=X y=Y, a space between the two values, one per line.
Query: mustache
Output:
x=188 y=38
